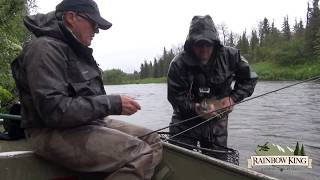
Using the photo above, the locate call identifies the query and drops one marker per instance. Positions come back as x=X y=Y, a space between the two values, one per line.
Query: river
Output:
x=283 y=118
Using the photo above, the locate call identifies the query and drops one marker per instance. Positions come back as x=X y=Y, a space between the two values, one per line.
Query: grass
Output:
x=271 y=71
x=265 y=71
x=148 y=81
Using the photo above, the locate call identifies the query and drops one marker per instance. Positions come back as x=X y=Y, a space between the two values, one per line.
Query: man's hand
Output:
x=129 y=105
x=227 y=103
x=207 y=111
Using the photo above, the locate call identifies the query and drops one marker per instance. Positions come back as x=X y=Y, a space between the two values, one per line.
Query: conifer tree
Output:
x=264 y=30
x=243 y=44
x=302 y=153
x=254 y=41
x=150 y=69
x=142 y=71
x=298 y=27
x=146 y=69
x=317 y=45
x=286 y=29
x=230 y=41
x=312 y=28
x=161 y=67
x=254 y=45
x=155 y=68
x=296 y=150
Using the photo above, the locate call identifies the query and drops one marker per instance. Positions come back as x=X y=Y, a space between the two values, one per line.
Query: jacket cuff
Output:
x=115 y=104
x=236 y=98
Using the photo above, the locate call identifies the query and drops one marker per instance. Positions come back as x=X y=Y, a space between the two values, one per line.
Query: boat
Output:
x=19 y=162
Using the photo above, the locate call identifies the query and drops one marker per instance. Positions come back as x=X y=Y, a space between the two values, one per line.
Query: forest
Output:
x=289 y=53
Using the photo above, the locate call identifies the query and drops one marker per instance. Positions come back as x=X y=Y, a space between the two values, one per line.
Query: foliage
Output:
x=5 y=98
x=312 y=28
x=272 y=71
x=13 y=34
x=243 y=44
x=149 y=80
x=160 y=66
x=275 y=54
x=116 y=76
x=286 y=29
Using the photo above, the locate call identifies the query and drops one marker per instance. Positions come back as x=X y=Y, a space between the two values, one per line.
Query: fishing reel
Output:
x=203 y=91
x=204 y=95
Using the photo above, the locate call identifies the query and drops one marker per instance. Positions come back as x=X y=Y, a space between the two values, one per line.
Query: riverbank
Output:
x=146 y=81
x=265 y=70
x=272 y=71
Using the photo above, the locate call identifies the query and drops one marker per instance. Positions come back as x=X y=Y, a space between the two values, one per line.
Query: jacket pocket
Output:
x=84 y=80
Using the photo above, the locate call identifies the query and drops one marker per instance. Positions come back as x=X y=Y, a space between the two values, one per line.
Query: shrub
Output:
x=5 y=98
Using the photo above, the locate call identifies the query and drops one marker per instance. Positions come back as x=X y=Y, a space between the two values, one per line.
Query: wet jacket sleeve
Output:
x=178 y=88
x=46 y=72
x=245 y=79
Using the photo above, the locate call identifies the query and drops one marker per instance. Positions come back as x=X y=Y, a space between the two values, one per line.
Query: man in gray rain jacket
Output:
x=200 y=75
x=65 y=106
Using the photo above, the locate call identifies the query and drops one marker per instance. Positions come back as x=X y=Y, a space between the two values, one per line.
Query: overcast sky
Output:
x=141 y=28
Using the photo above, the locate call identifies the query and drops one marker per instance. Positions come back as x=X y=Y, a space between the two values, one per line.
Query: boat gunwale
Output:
x=216 y=162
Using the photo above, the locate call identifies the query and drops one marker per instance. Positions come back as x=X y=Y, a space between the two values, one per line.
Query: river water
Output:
x=283 y=118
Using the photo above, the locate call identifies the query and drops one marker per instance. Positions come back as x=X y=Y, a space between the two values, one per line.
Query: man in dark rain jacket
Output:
x=200 y=75
x=65 y=106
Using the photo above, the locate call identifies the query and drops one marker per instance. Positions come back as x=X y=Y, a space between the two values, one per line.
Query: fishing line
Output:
x=195 y=117
x=197 y=125
x=222 y=109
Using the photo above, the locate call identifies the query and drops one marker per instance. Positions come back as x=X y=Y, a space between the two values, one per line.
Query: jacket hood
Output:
x=49 y=25
x=44 y=25
x=202 y=27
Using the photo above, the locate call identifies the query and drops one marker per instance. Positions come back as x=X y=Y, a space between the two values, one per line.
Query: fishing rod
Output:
x=17 y=117
x=226 y=108
x=197 y=125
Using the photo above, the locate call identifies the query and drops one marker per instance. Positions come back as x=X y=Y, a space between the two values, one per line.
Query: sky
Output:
x=142 y=28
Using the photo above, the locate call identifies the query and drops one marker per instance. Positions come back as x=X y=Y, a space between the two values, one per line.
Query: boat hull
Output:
x=18 y=162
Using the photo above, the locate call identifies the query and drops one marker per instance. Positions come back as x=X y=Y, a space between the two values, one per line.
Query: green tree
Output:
x=254 y=45
x=264 y=29
x=274 y=37
x=114 y=76
x=156 y=73
x=142 y=71
x=296 y=150
x=243 y=44
x=317 y=45
x=302 y=153
x=298 y=27
x=254 y=41
x=150 y=69
x=161 y=66
x=230 y=41
x=146 y=69
x=312 y=28
x=164 y=63
x=286 y=29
